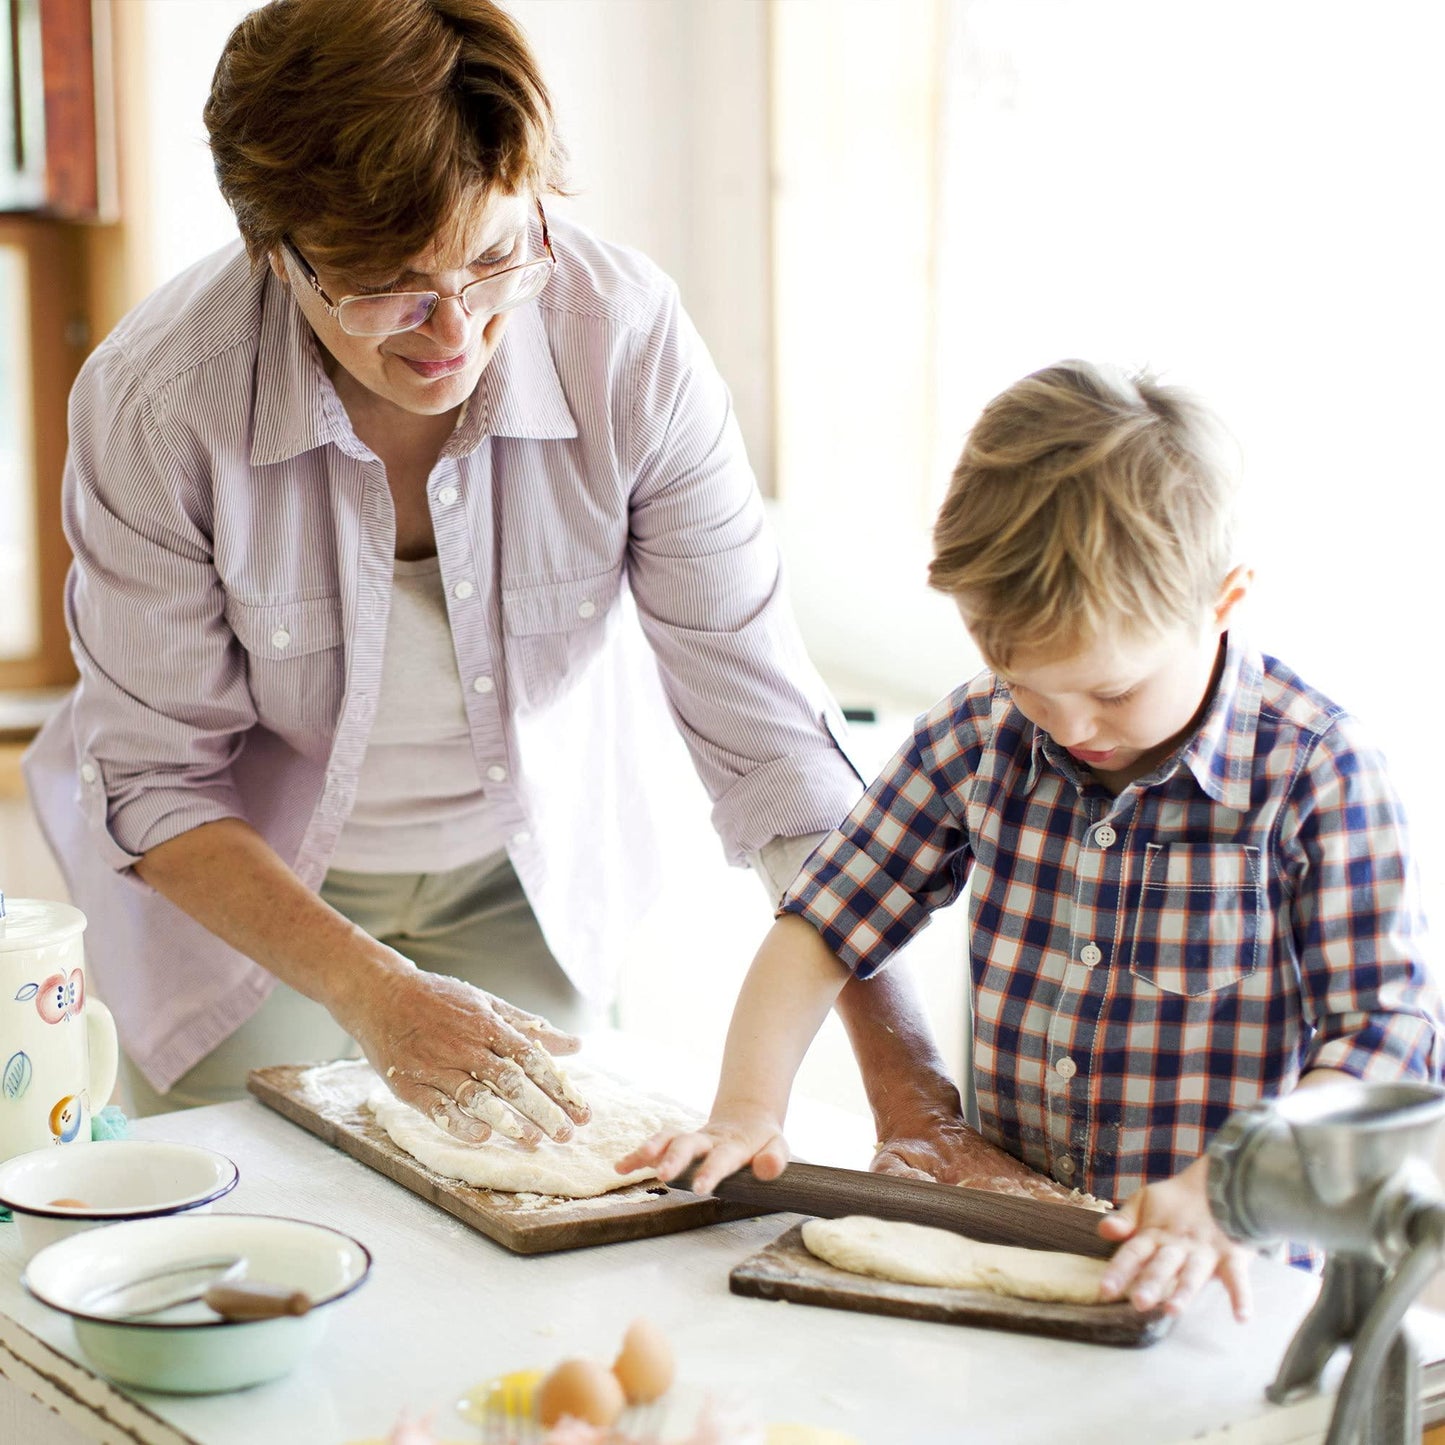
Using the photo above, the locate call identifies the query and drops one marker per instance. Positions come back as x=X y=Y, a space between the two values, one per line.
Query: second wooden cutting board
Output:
x=785 y=1270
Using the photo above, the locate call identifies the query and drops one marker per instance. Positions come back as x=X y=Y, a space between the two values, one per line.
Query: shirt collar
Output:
x=290 y=414
x=519 y=394
x=1220 y=755
x=1221 y=752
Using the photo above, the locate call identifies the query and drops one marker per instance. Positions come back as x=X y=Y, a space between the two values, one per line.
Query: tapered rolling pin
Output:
x=981 y=1214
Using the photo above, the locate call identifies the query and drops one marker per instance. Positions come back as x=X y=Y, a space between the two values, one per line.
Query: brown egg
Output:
x=581 y=1388
x=645 y=1367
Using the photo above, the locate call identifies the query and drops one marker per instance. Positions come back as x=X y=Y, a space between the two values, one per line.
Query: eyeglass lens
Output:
x=406 y=310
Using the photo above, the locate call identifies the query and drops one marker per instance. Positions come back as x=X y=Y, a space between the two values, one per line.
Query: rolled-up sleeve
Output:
x=898 y=857
x=163 y=700
x=1359 y=933
x=765 y=736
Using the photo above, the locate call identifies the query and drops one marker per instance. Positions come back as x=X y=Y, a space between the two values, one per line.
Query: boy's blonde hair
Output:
x=1087 y=501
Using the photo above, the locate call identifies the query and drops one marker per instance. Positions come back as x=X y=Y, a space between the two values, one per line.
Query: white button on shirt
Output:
x=1065 y=1166
x=482 y=684
x=1066 y=1068
x=1105 y=836
x=463 y=590
x=1089 y=955
x=497 y=773
x=447 y=496
x=586 y=609
x=88 y=773
x=280 y=638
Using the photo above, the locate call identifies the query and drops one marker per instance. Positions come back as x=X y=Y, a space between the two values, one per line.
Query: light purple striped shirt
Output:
x=228 y=605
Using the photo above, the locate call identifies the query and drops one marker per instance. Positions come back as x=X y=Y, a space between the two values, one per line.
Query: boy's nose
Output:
x=1071 y=729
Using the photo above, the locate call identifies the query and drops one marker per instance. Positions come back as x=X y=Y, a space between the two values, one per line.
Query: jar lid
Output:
x=35 y=922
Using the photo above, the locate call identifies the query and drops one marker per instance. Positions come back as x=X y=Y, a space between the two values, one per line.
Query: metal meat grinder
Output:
x=1348 y=1167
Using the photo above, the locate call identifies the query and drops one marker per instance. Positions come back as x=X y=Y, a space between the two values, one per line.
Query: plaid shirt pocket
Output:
x=1201 y=913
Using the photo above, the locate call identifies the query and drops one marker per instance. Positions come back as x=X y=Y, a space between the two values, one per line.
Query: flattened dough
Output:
x=622 y=1117
x=916 y=1254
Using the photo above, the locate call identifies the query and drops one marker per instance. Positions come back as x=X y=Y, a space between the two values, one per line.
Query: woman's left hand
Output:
x=1172 y=1247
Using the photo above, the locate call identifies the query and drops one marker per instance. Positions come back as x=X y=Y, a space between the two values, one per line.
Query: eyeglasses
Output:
x=390 y=312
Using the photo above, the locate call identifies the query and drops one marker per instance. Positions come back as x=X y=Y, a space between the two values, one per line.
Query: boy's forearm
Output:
x=786 y=996
x=903 y=1073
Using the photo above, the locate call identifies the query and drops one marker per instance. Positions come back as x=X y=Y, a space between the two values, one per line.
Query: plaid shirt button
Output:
x=1066 y=1068
x=1065 y=1167
x=1105 y=836
x=1089 y=955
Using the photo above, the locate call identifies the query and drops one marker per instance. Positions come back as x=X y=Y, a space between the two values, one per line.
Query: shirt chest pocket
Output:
x=295 y=663
x=553 y=631
x=1201 y=917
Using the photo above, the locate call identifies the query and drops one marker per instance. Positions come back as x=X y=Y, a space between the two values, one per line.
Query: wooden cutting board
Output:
x=525 y=1224
x=786 y=1271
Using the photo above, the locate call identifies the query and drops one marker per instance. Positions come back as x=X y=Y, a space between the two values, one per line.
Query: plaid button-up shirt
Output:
x=1143 y=965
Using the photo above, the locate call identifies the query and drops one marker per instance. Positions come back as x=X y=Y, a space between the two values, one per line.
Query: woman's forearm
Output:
x=903 y=1073
x=231 y=881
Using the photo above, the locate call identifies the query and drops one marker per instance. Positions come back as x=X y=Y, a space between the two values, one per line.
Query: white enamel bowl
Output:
x=187 y=1350
x=116 y=1179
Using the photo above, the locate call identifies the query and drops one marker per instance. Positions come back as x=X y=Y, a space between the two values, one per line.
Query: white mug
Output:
x=58 y=1051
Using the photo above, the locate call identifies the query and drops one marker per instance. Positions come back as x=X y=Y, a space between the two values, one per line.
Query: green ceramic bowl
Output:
x=187 y=1350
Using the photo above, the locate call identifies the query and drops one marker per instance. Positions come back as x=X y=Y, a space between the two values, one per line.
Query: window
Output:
x=1239 y=195
x=42 y=308
x=19 y=622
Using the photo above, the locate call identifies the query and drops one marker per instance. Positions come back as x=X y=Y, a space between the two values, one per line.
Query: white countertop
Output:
x=445 y=1308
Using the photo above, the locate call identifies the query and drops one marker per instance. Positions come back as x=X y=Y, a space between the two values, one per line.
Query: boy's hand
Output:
x=945 y=1148
x=1173 y=1247
x=732 y=1138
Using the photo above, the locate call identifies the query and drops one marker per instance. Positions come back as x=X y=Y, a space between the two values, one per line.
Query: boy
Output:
x=1191 y=885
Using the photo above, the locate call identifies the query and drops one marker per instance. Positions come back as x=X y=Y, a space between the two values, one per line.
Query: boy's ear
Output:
x=278 y=266
x=1232 y=592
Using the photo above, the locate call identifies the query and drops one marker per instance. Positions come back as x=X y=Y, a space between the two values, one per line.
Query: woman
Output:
x=357 y=512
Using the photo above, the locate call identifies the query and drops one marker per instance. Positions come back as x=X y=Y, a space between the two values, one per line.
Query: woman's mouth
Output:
x=434 y=370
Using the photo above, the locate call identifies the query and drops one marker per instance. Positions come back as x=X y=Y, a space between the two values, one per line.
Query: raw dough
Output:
x=622 y=1117
x=916 y=1254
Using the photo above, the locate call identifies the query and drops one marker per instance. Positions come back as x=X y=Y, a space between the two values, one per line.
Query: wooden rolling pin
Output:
x=981 y=1214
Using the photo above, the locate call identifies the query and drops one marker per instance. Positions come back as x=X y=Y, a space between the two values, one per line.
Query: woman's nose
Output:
x=451 y=324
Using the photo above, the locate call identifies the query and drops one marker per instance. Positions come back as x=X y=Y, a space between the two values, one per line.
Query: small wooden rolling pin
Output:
x=981 y=1214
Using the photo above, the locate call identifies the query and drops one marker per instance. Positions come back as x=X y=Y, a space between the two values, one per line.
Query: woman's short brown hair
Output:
x=367 y=129
x=1087 y=502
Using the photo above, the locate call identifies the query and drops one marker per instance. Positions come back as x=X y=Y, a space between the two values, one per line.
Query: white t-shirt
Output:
x=420 y=803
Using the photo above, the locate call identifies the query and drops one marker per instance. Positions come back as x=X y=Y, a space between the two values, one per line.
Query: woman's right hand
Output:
x=469 y=1061
x=940 y=1145
x=735 y=1136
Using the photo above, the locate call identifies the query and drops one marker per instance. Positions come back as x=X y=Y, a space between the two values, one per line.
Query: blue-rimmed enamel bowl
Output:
x=187 y=1350
x=110 y=1182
